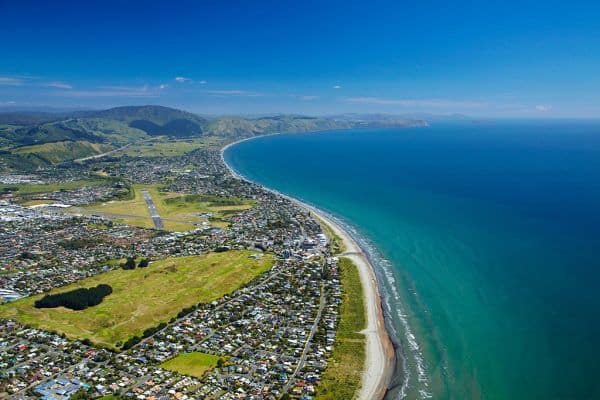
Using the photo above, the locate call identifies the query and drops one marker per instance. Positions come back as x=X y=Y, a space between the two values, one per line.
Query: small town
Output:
x=299 y=200
x=271 y=337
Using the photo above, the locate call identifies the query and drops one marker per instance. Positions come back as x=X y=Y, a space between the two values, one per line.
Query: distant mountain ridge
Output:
x=23 y=135
x=157 y=114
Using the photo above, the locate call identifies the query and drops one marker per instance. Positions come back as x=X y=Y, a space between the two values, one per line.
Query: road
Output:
x=158 y=223
x=313 y=330
x=108 y=153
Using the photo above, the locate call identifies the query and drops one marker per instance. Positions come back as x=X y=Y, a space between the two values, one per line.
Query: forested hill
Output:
x=29 y=140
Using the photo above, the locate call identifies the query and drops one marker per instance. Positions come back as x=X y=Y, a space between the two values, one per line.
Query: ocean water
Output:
x=486 y=240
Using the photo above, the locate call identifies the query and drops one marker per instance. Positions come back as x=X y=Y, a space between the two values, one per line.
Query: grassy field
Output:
x=178 y=212
x=139 y=299
x=342 y=377
x=132 y=212
x=163 y=147
x=28 y=189
x=192 y=364
x=57 y=152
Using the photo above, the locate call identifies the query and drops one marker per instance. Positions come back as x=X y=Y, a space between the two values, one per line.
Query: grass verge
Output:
x=342 y=377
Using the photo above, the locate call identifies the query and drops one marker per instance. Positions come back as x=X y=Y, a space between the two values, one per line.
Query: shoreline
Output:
x=379 y=361
x=380 y=354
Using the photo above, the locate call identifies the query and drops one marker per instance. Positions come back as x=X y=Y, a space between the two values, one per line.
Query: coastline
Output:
x=379 y=361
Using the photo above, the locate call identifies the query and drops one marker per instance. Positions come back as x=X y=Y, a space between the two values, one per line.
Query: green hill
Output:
x=157 y=120
x=157 y=114
x=56 y=152
x=31 y=140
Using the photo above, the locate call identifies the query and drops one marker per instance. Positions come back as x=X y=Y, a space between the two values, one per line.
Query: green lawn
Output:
x=57 y=152
x=178 y=212
x=342 y=377
x=29 y=189
x=132 y=212
x=193 y=364
x=144 y=297
x=162 y=147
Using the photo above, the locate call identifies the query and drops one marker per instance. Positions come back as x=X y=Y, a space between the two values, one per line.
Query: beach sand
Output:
x=379 y=363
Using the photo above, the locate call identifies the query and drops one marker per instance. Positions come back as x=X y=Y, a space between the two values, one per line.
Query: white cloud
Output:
x=32 y=81
x=337 y=87
x=543 y=107
x=308 y=98
x=234 y=93
x=436 y=103
x=182 y=79
x=163 y=86
x=9 y=81
x=203 y=82
x=114 y=91
x=59 y=85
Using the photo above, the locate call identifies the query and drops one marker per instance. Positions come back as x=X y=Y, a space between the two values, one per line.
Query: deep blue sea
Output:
x=486 y=240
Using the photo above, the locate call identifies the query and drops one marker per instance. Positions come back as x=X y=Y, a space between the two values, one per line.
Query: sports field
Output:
x=139 y=299
x=192 y=364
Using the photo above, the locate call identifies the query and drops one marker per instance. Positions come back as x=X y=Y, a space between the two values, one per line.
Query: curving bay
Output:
x=484 y=236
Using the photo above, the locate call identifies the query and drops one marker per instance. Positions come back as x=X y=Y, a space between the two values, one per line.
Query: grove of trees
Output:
x=78 y=299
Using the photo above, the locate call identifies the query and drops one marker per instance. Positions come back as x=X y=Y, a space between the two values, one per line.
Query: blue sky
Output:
x=482 y=58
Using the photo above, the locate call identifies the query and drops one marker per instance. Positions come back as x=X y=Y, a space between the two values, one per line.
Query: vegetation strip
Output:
x=342 y=377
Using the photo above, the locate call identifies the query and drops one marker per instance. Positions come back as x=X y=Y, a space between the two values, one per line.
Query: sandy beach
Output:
x=379 y=362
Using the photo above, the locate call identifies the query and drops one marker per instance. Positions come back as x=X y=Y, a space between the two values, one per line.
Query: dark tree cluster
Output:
x=8 y=189
x=27 y=256
x=130 y=263
x=132 y=341
x=76 y=244
x=78 y=299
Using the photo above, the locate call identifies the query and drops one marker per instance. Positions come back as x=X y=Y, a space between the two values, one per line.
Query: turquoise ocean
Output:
x=485 y=238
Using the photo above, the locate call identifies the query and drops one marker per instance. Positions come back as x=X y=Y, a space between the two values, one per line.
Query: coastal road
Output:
x=158 y=223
